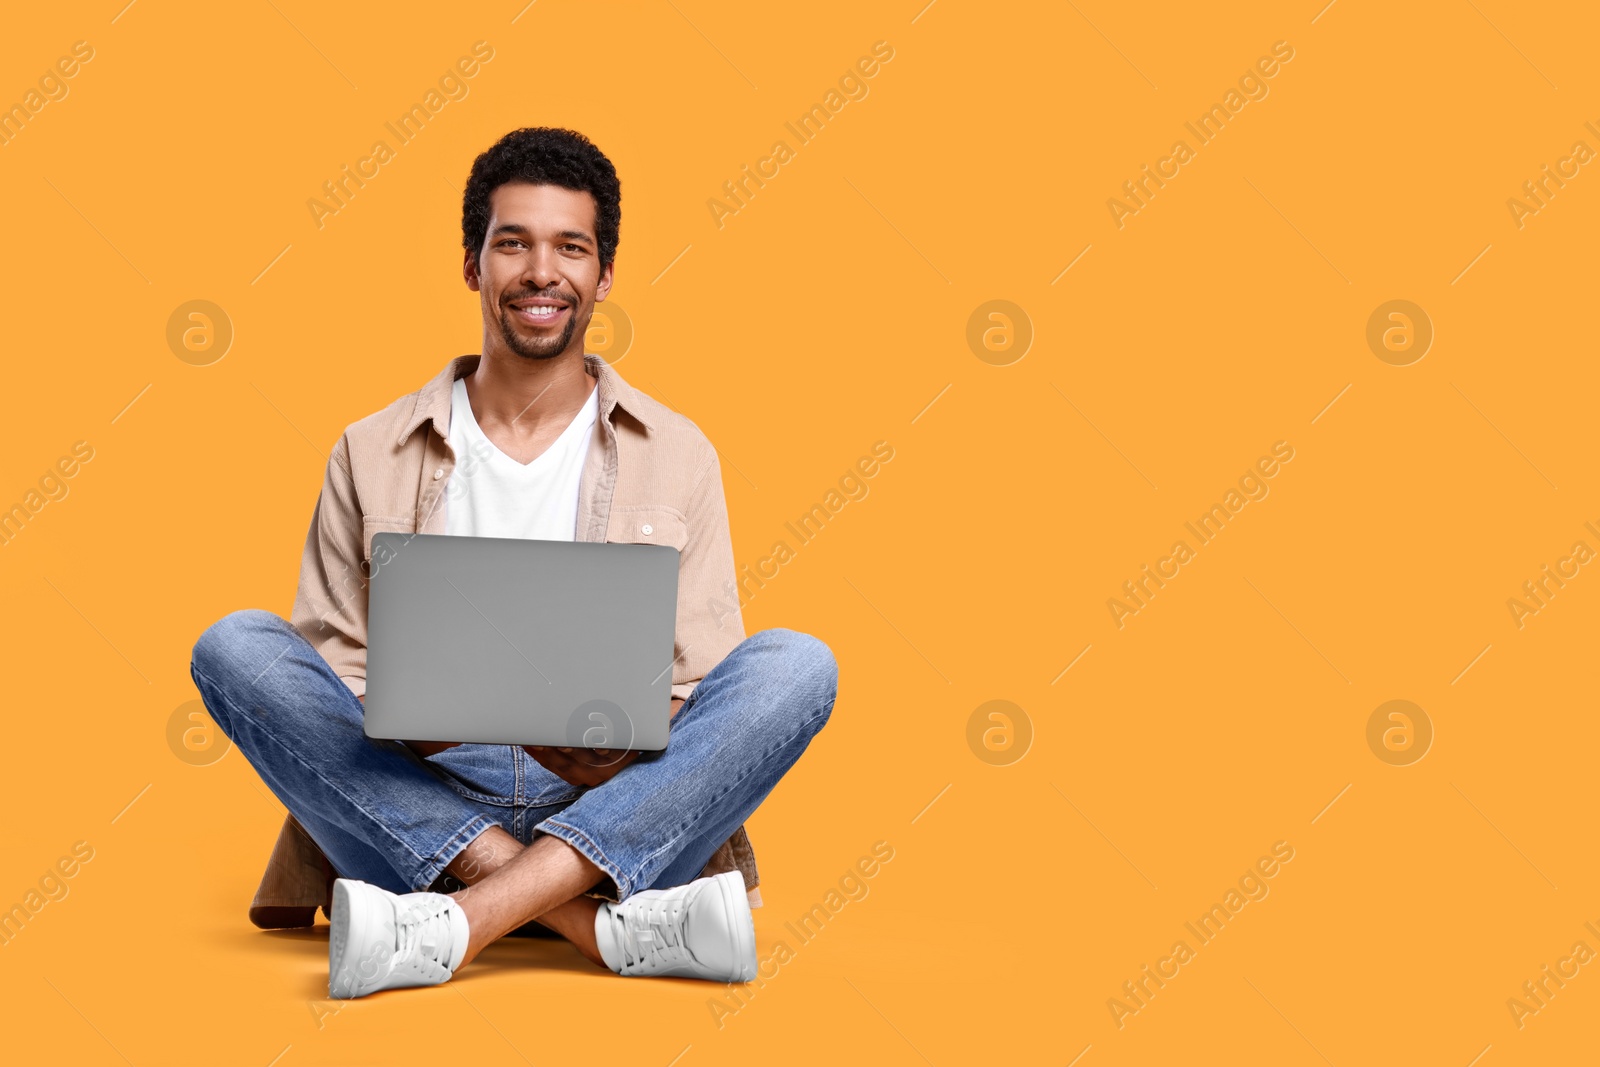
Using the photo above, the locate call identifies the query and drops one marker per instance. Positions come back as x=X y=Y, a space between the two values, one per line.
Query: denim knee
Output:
x=806 y=667
x=226 y=644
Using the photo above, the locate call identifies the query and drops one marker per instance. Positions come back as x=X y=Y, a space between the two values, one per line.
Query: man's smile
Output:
x=539 y=311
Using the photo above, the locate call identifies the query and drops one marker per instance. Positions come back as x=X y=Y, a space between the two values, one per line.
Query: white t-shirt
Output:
x=492 y=495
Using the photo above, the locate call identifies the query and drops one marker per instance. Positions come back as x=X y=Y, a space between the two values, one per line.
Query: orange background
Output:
x=830 y=312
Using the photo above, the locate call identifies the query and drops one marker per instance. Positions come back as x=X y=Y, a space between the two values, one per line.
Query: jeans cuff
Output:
x=591 y=852
x=430 y=869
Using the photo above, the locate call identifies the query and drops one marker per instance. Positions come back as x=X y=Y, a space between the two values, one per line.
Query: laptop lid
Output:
x=519 y=641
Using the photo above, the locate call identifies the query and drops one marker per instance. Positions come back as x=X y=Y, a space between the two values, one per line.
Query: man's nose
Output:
x=542 y=270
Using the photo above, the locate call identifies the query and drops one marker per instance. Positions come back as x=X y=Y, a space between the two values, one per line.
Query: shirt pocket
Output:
x=648 y=524
x=376 y=524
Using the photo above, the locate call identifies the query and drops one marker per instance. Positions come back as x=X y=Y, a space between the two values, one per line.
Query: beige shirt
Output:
x=650 y=477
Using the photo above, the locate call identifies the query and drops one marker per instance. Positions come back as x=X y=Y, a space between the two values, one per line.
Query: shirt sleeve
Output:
x=330 y=604
x=710 y=624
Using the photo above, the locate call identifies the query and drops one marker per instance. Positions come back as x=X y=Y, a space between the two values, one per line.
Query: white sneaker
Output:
x=700 y=930
x=383 y=940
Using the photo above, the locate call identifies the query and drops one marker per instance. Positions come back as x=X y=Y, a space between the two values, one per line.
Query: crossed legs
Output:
x=385 y=816
x=509 y=884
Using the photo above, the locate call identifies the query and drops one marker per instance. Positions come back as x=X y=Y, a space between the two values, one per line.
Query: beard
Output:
x=535 y=347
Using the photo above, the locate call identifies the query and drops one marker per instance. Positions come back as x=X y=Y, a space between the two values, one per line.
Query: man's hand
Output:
x=587 y=767
x=579 y=766
x=430 y=748
x=582 y=766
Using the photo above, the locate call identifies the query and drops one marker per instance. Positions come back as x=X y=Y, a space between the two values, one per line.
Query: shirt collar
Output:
x=433 y=399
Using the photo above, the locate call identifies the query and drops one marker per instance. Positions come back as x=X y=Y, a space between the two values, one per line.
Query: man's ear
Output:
x=603 y=289
x=469 y=269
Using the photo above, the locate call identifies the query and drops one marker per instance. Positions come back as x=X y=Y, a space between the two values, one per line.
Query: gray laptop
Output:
x=516 y=641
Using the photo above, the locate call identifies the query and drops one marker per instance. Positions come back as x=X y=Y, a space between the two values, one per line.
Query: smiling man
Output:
x=639 y=859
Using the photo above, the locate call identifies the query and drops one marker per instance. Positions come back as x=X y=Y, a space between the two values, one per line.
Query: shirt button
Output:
x=647 y=529
x=438 y=474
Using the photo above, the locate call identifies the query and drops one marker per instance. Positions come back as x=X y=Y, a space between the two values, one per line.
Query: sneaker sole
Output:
x=731 y=883
x=345 y=934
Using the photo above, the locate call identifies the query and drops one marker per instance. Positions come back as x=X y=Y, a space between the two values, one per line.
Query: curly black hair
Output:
x=544 y=155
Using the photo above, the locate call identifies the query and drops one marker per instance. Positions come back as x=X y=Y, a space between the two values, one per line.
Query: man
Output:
x=607 y=849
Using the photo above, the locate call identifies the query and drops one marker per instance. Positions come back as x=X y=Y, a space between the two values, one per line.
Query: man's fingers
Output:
x=574 y=770
x=580 y=766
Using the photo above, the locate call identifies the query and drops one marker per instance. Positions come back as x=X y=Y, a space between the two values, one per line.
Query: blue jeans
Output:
x=385 y=815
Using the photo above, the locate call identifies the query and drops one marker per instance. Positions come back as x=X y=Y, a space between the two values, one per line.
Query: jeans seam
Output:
x=517 y=809
x=424 y=861
x=470 y=794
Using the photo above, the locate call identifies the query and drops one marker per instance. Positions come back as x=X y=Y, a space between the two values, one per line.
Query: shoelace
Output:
x=414 y=926
x=650 y=934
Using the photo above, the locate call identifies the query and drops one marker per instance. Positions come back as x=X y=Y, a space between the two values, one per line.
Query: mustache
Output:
x=570 y=301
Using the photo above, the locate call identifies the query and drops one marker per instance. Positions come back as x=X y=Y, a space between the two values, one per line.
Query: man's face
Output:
x=539 y=274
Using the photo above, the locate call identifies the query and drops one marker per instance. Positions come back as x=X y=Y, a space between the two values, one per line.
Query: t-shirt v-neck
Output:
x=492 y=495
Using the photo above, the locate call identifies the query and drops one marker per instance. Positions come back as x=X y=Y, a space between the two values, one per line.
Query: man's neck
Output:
x=528 y=397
